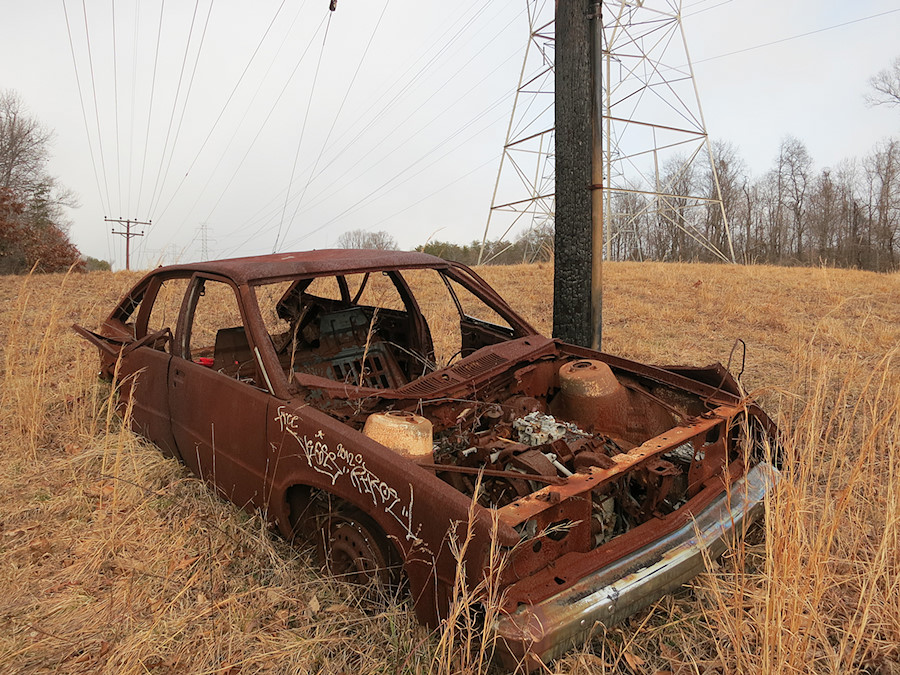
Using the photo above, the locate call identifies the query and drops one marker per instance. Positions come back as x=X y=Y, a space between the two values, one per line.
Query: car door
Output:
x=136 y=346
x=218 y=408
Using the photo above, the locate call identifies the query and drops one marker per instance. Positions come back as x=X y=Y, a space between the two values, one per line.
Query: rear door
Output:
x=217 y=397
x=136 y=346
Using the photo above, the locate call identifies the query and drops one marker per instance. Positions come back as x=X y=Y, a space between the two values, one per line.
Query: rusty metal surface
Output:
x=610 y=594
x=311 y=263
x=581 y=460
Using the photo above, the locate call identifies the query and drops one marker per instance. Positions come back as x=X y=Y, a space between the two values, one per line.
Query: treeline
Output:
x=795 y=214
x=534 y=245
x=33 y=228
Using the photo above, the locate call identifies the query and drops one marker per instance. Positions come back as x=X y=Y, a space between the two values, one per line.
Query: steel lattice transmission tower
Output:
x=657 y=159
x=523 y=192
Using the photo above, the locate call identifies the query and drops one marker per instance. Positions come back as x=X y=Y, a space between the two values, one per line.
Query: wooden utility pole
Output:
x=128 y=234
x=577 y=299
x=596 y=19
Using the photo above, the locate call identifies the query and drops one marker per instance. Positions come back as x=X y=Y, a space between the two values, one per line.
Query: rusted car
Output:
x=382 y=404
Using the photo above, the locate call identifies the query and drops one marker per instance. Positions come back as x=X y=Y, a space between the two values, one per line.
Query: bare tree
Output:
x=628 y=226
x=365 y=239
x=886 y=86
x=731 y=175
x=883 y=178
x=678 y=234
x=24 y=145
x=794 y=167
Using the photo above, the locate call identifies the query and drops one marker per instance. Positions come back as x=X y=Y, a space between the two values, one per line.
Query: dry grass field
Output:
x=114 y=560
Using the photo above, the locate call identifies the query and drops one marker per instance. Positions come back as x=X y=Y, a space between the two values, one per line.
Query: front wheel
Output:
x=348 y=543
x=354 y=548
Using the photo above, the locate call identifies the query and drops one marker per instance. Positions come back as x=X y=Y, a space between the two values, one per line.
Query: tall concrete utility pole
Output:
x=128 y=234
x=577 y=299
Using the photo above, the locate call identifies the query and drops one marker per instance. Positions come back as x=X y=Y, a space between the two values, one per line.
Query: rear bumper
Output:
x=609 y=595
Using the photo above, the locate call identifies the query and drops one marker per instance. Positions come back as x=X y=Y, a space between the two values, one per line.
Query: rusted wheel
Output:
x=351 y=552
x=353 y=548
x=349 y=544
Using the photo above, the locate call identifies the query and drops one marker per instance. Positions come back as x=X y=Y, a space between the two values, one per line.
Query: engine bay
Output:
x=514 y=418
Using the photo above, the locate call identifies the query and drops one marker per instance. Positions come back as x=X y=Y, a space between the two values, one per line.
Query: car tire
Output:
x=353 y=548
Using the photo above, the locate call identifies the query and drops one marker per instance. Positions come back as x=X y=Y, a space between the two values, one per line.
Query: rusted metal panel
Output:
x=545 y=629
x=312 y=263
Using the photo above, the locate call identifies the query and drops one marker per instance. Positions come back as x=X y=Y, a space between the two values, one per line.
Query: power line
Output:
x=227 y=102
x=264 y=122
x=394 y=98
x=309 y=100
x=240 y=125
x=116 y=104
x=322 y=197
x=162 y=158
x=150 y=107
x=427 y=124
x=443 y=187
x=183 y=108
x=440 y=48
x=705 y=9
x=87 y=131
x=96 y=109
x=368 y=197
x=134 y=60
x=325 y=197
x=334 y=119
x=798 y=36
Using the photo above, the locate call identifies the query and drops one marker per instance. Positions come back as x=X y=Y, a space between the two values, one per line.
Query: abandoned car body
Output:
x=322 y=389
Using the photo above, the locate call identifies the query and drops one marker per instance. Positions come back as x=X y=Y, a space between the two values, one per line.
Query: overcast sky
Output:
x=276 y=134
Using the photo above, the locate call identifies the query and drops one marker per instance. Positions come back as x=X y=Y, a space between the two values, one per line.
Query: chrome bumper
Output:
x=547 y=629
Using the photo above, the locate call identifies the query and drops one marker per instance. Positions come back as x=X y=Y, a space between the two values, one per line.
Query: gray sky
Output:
x=399 y=114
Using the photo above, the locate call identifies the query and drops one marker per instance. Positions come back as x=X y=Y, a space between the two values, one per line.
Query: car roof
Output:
x=310 y=263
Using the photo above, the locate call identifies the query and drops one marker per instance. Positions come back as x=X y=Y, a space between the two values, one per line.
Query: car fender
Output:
x=419 y=513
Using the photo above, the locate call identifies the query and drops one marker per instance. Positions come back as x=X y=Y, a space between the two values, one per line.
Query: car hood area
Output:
x=585 y=456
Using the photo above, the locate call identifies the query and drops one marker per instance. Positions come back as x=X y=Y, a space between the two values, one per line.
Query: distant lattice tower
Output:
x=654 y=134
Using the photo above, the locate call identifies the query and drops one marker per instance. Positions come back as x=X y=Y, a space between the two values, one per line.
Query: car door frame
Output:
x=222 y=459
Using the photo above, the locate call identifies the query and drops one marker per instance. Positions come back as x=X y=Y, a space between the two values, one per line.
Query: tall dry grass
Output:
x=822 y=592
x=114 y=560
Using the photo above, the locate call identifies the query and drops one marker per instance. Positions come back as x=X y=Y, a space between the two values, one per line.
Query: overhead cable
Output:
x=116 y=104
x=96 y=109
x=798 y=36
x=309 y=100
x=162 y=157
x=265 y=121
x=224 y=108
x=150 y=108
x=134 y=53
x=154 y=205
x=87 y=131
x=387 y=92
x=334 y=119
